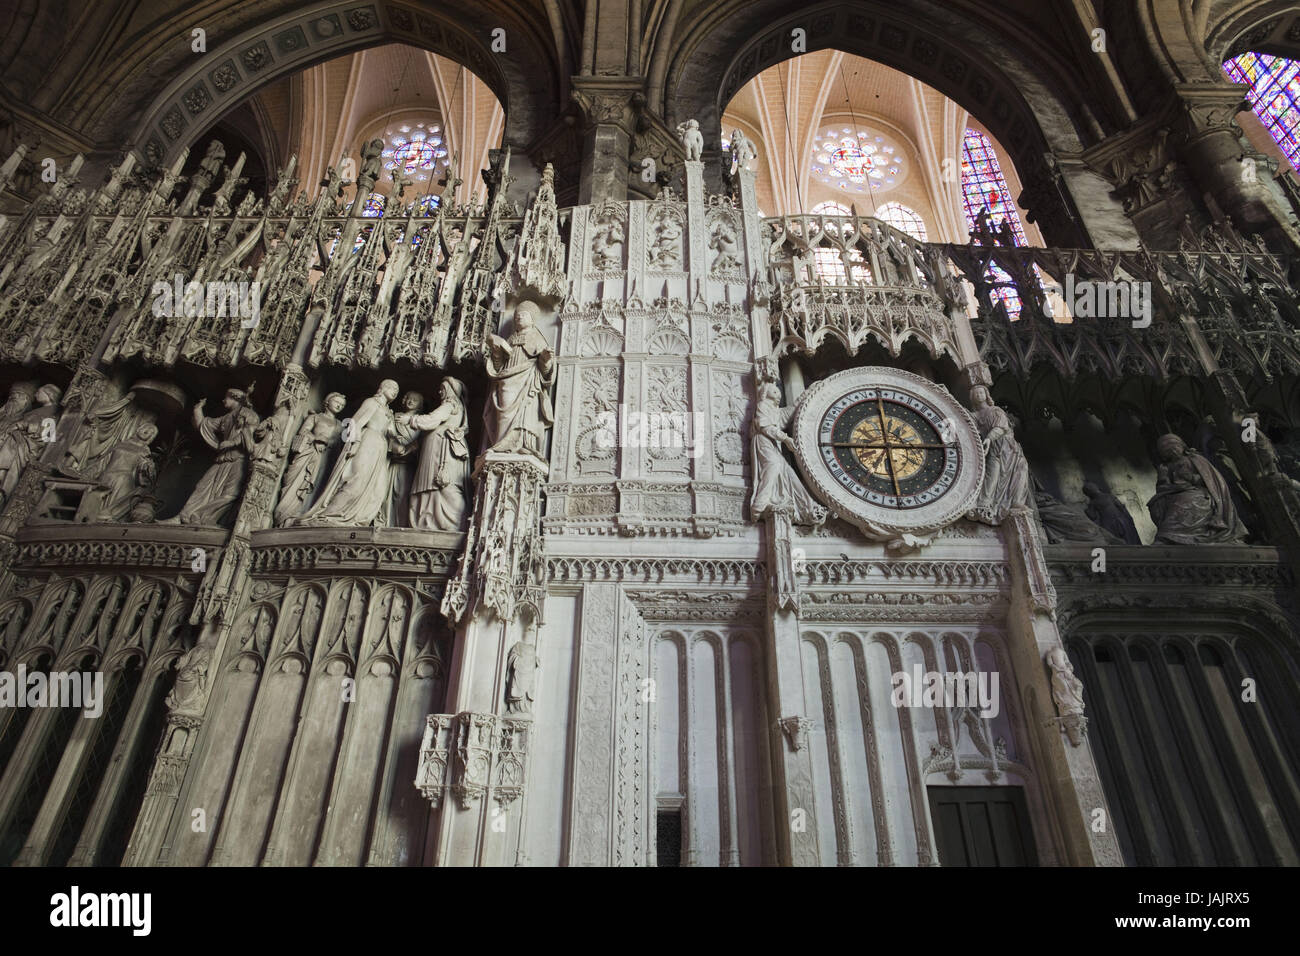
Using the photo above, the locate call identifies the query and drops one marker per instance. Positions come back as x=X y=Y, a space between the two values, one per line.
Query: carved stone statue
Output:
x=231 y=435
x=1192 y=503
x=191 y=676
x=1006 y=473
x=692 y=139
x=607 y=240
x=521 y=673
x=357 y=490
x=211 y=162
x=21 y=395
x=442 y=474
x=318 y=431
x=666 y=247
x=1067 y=694
x=401 y=448
x=777 y=487
x=522 y=371
x=1108 y=512
x=372 y=164
x=723 y=241
x=1065 y=521
x=24 y=437
x=743 y=152
x=129 y=474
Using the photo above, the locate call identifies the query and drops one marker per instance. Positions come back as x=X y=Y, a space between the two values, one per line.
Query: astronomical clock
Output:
x=888 y=451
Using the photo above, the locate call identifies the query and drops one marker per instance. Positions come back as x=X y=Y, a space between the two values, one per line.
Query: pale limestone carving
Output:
x=26 y=435
x=438 y=490
x=777 y=487
x=231 y=435
x=522 y=369
x=1067 y=694
x=692 y=139
x=1006 y=473
x=358 y=489
x=607 y=238
x=128 y=476
x=666 y=247
x=743 y=152
x=317 y=433
x=191 y=677
x=521 y=677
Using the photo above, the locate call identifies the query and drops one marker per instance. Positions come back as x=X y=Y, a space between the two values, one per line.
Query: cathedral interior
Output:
x=650 y=432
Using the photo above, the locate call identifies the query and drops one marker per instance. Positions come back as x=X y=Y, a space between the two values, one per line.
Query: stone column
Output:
x=1067 y=767
x=609 y=114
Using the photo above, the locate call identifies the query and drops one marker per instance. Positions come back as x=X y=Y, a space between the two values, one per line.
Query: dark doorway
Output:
x=982 y=826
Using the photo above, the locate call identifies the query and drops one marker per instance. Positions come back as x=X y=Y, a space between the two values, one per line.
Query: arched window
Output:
x=1274 y=95
x=374 y=206
x=831 y=209
x=905 y=218
x=983 y=186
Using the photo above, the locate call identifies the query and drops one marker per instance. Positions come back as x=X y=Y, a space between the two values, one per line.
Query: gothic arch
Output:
x=1018 y=100
x=195 y=94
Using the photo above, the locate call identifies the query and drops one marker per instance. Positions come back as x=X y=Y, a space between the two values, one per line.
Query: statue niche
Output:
x=233 y=437
x=1192 y=503
x=522 y=370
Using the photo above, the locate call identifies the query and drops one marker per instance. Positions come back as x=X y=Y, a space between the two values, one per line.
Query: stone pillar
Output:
x=477 y=751
x=609 y=114
x=1225 y=167
x=1067 y=766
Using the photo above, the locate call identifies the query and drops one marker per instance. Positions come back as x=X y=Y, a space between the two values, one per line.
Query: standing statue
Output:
x=1109 y=512
x=442 y=474
x=1067 y=694
x=522 y=370
x=401 y=446
x=357 y=490
x=1192 y=503
x=777 y=487
x=232 y=436
x=318 y=431
x=372 y=164
x=692 y=139
x=24 y=437
x=211 y=162
x=130 y=473
x=743 y=152
x=521 y=673
x=1006 y=473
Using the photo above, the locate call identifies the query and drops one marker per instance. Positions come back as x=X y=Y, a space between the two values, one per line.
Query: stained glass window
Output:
x=984 y=187
x=904 y=218
x=374 y=206
x=415 y=149
x=1274 y=95
x=856 y=160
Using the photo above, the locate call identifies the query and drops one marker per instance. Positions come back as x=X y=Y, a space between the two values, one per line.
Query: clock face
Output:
x=888 y=451
x=887 y=447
